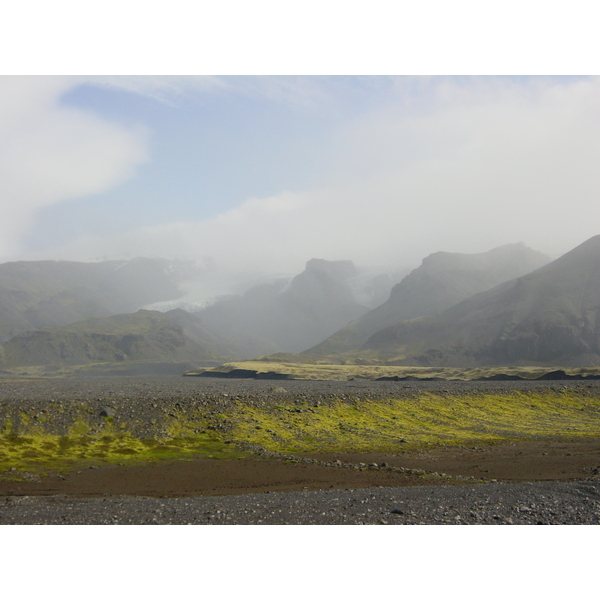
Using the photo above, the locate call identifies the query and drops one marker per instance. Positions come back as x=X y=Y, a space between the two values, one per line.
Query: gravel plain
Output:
x=537 y=503
x=141 y=403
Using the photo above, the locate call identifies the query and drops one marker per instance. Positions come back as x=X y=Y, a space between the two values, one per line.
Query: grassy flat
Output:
x=312 y=369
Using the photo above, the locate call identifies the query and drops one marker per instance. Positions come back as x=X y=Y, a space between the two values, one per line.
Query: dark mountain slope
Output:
x=550 y=316
x=142 y=336
x=288 y=316
x=442 y=280
x=53 y=293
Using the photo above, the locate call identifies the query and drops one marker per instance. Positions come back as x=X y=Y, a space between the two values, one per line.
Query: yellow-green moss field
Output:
x=33 y=448
x=313 y=369
x=390 y=426
x=411 y=424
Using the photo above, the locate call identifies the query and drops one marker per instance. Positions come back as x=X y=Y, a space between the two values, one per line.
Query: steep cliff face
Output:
x=550 y=316
x=443 y=280
x=288 y=316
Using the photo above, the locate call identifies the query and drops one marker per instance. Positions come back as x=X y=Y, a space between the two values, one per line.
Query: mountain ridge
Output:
x=288 y=316
x=551 y=315
x=141 y=336
x=37 y=294
x=442 y=280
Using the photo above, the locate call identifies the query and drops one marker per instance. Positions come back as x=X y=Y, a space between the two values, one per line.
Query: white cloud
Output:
x=295 y=91
x=483 y=163
x=166 y=89
x=51 y=153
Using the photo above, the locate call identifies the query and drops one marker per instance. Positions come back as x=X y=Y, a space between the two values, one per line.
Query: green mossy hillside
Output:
x=34 y=447
x=344 y=424
x=400 y=425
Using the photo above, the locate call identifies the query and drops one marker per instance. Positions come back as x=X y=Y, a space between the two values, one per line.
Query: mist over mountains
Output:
x=509 y=305
x=68 y=313
x=550 y=316
x=40 y=294
x=442 y=280
x=292 y=315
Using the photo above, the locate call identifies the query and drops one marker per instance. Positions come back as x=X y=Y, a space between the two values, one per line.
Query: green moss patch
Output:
x=338 y=369
x=33 y=449
x=398 y=425
x=349 y=425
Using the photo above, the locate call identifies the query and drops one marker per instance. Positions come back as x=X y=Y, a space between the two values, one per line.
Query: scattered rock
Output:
x=276 y=389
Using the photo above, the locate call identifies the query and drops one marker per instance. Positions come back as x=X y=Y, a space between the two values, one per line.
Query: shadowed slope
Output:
x=442 y=280
x=550 y=316
x=288 y=316
x=143 y=336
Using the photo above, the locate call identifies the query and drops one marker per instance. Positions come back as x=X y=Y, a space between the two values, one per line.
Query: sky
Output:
x=266 y=172
x=259 y=173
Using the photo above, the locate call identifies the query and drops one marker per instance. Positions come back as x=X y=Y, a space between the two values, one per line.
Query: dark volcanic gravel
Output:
x=542 y=503
x=147 y=398
x=141 y=390
x=140 y=402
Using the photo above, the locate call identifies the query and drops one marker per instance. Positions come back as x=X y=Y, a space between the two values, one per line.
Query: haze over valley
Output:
x=392 y=220
x=508 y=306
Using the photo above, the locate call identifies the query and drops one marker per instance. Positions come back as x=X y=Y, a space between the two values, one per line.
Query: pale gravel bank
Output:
x=538 y=503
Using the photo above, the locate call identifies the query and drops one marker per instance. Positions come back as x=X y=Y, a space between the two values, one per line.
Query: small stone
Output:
x=277 y=389
x=107 y=412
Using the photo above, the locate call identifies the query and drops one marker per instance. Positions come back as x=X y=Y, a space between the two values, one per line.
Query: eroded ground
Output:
x=186 y=437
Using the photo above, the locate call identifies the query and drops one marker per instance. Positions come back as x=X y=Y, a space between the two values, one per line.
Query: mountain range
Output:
x=508 y=306
x=549 y=316
x=36 y=294
x=142 y=336
x=442 y=280
x=292 y=315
